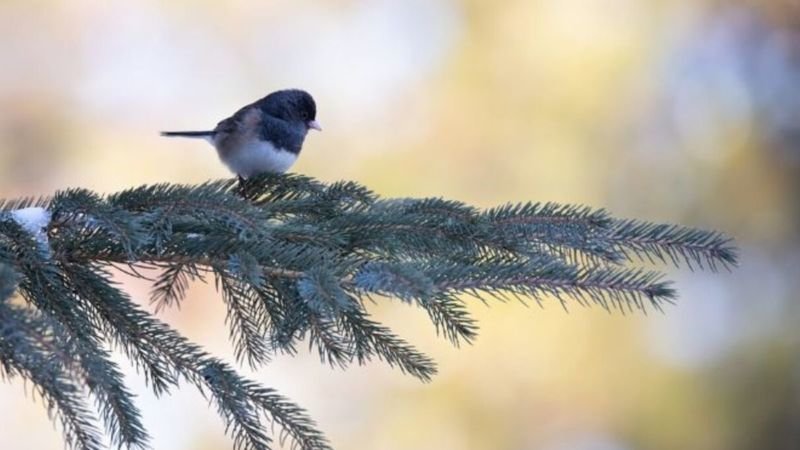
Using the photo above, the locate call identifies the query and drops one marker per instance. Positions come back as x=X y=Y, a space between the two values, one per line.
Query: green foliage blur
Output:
x=682 y=111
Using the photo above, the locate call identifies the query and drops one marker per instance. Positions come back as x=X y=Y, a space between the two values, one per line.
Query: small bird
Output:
x=265 y=136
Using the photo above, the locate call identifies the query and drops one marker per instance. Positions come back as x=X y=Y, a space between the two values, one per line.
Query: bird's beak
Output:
x=313 y=124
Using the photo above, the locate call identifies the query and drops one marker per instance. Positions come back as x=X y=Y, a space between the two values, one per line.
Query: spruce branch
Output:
x=27 y=350
x=295 y=260
x=44 y=287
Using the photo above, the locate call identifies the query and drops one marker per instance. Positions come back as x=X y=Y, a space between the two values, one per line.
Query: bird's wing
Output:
x=247 y=118
x=251 y=121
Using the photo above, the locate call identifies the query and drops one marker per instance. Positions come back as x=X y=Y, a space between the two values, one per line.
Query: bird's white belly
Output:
x=259 y=157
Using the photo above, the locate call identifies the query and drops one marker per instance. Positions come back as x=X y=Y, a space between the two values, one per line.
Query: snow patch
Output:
x=34 y=220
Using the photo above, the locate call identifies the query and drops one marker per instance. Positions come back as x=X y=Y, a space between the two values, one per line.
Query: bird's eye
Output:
x=304 y=115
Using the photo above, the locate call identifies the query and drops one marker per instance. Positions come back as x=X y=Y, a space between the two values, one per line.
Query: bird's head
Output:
x=292 y=105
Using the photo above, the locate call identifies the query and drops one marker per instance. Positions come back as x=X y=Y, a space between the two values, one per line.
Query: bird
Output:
x=265 y=136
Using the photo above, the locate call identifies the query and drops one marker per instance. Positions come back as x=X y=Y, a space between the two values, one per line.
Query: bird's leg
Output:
x=241 y=189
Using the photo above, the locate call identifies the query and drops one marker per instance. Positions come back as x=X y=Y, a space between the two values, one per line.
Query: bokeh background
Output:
x=681 y=111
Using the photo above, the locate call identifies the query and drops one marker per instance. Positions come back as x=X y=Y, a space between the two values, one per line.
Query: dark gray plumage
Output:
x=264 y=136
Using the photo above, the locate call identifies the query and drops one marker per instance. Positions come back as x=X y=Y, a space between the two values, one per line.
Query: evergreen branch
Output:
x=210 y=202
x=407 y=282
x=538 y=214
x=8 y=282
x=402 y=280
x=234 y=406
x=22 y=353
x=647 y=240
x=322 y=292
x=269 y=189
x=113 y=399
x=44 y=287
x=334 y=347
x=126 y=327
x=170 y=288
x=451 y=318
x=571 y=231
x=191 y=363
x=372 y=339
x=546 y=276
x=240 y=400
x=80 y=206
x=9 y=205
x=294 y=258
x=243 y=318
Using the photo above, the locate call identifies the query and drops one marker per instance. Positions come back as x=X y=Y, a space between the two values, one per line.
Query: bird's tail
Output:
x=189 y=134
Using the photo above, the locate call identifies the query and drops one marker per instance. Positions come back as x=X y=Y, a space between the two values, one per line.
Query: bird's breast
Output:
x=249 y=157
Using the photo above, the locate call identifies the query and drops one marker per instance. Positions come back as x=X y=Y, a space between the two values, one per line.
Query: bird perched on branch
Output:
x=263 y=137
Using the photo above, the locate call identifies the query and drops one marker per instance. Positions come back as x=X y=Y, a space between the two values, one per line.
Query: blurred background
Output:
x=682 y=111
